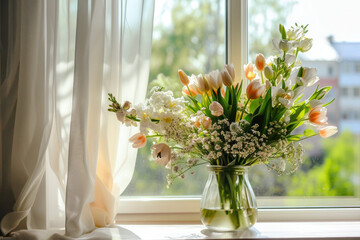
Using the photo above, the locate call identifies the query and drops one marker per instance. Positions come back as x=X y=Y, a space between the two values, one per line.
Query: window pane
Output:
x=331 y=166
x=189 y=35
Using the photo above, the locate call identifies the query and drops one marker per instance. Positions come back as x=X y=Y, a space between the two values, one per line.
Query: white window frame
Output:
x=166 y=210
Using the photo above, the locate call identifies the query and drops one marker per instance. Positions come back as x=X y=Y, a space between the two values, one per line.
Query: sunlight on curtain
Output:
x=66 y=159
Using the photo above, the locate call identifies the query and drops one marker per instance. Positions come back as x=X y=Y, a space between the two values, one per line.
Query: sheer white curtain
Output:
x=64 y=159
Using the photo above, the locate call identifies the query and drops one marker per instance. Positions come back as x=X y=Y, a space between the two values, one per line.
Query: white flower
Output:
x=294 y=33
x=313 y=103
x=305 y=45
x=309 y=77
x=289 y=59
x=287 y=116
x=275 y=46
x=161 y=153
x=121 y=115
x=284 y=45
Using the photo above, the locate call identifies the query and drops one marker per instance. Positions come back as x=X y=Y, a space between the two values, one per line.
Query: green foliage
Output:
x=197 y=44
x=264 y=18
x=336 y=176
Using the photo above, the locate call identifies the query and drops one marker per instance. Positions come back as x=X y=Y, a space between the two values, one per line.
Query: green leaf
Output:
x=324 y=105
x=227 y=95
x=319 y=94
x=282 y=31
x=309 y=133
x=234 y=105
x=294 y=138
x=267 y=116
x=300 y=73
x=278 y=116
x=266 y=100
x=249 y=118
x=254 y=105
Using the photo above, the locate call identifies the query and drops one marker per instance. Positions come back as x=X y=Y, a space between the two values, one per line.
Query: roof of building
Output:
x=347 y=51
x=320 y=51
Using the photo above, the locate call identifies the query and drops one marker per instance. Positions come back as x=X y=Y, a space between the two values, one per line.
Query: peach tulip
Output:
x=201 y=84
x=193 y=91
x=161 y=153
x=214 y=80
x=328 y=131
x=183 y=77
x=226 y=78
x=216 y=109
x=249 y=71
x=138 y=140
x=260 y=62
x=193 y=86
x=317 y=115
x=231 y=70
x=255 y=89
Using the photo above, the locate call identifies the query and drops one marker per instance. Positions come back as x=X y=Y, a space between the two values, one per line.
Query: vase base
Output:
x=221 y=220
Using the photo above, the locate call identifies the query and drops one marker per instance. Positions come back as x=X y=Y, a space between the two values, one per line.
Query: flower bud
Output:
x=305 y=45
x=216 y=109
x=255 y=89
x=268 y=84
x=127 y=105
x=328 y=131
x=279 y=79
x=183 y=77
x=138 y=140
x=269 y=73
x=260 y=62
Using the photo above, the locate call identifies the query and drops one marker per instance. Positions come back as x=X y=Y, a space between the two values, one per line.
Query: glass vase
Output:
x=228 y=202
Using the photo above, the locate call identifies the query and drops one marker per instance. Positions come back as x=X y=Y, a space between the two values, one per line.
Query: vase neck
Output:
x=240 y=170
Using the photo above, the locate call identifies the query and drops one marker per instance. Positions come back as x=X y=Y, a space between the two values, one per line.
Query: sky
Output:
x=329 y=17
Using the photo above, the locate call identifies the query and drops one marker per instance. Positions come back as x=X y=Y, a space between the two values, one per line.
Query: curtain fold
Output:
x=69 y=159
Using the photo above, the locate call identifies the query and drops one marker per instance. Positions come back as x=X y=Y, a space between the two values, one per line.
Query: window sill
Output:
x=262 y=230
x=186 y=211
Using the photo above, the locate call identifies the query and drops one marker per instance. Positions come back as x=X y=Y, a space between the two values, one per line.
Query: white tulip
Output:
x=161 y=153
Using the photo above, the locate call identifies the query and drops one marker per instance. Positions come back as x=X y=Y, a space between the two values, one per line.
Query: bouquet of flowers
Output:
x=231 y=125
x=220 y=122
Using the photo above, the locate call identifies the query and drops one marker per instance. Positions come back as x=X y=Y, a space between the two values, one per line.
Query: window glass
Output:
x=357 y=91
x=331 y=166
x=189 y=35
